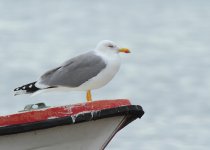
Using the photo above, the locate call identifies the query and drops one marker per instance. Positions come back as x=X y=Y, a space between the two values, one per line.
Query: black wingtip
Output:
x=26 y=89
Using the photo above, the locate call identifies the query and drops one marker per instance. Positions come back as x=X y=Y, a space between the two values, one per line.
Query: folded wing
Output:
x=74 y=72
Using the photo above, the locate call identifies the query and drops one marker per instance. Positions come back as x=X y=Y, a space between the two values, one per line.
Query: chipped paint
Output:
x=61 y=111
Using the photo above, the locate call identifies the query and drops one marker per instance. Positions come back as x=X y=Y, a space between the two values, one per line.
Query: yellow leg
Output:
x=88 y=96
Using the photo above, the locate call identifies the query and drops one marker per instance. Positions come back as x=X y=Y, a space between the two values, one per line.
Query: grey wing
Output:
x=75 y=71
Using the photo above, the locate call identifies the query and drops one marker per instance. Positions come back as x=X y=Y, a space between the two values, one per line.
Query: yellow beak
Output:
x=124 y=50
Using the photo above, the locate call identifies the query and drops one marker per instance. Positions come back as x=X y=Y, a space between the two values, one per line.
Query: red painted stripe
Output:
x=62 y=111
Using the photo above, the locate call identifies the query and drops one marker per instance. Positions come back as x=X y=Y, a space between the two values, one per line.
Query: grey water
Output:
x=167 y=73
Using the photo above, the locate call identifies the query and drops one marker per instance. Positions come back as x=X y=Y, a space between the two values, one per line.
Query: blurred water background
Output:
x=168 y=71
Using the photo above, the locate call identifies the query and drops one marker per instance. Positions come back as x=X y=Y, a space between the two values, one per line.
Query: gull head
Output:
x=107 y=46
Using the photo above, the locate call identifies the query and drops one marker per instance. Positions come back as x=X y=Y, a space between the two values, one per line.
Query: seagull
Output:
x=85 y=72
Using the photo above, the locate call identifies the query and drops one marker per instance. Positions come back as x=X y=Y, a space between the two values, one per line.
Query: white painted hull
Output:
x=91 y=135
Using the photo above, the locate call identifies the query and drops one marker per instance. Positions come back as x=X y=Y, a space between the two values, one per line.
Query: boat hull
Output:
x=83 y=126
x=92 y=135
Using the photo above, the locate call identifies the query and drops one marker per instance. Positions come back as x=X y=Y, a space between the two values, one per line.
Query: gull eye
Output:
x=111 y=46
